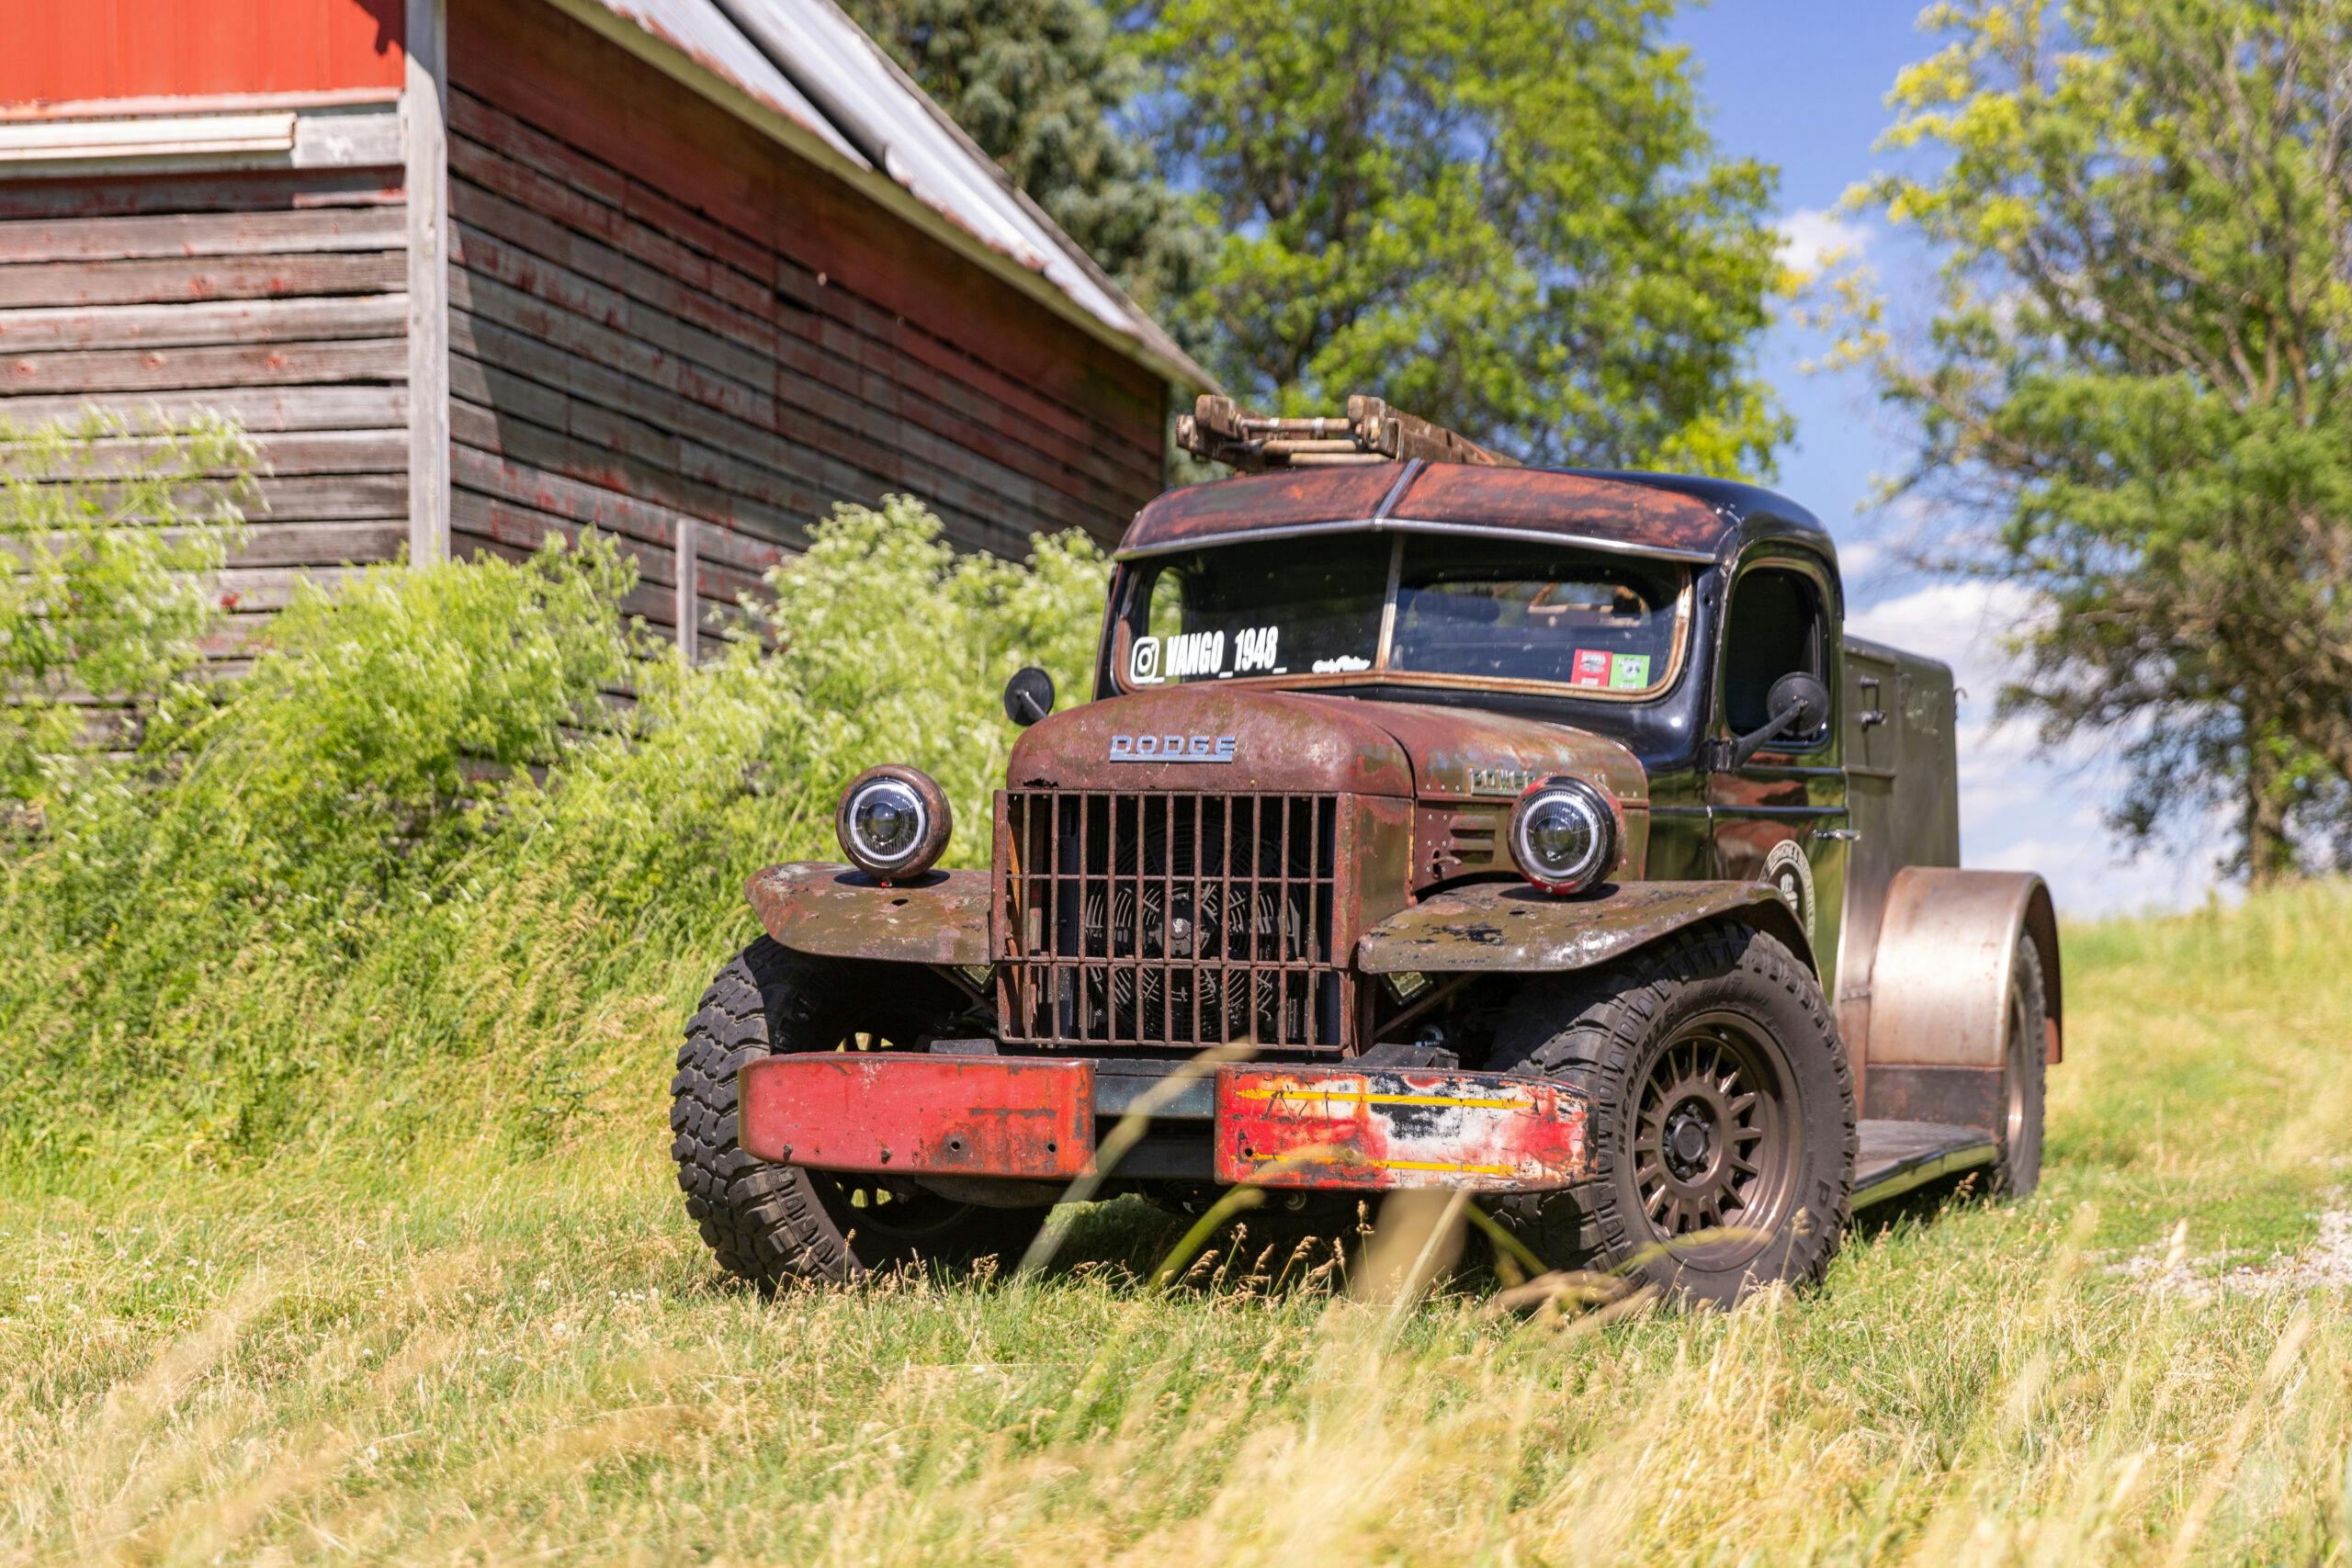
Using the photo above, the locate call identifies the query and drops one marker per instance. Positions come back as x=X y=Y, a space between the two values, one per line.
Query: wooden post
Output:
x=425 y=145
x=689 y=603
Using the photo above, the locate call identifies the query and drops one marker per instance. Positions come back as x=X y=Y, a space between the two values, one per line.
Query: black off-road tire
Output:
x=1607 y=1033
x=2024 y=1070
x=768 y=1224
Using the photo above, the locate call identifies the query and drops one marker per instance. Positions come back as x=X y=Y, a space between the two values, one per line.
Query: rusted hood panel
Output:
x=1511 y=928
x=1281 y=742
x=1458 y=753
x=839 y=912
x=1308 y=743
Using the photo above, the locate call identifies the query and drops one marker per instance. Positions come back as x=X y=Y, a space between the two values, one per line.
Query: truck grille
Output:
x=1169 y=919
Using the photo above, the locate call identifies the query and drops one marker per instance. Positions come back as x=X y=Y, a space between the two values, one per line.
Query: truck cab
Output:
x=1435 y=822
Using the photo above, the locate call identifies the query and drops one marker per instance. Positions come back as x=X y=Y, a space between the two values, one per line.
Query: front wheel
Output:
x=1721 y=1141
x=769 y=1223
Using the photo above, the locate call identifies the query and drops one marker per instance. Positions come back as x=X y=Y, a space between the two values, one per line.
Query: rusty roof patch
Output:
x=1646 y=514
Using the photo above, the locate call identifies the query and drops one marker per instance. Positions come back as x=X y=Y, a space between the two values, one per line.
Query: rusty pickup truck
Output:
x=1436 y=822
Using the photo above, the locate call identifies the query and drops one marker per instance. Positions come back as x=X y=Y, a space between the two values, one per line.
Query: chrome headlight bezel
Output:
x=910 y=790
x=1577 y=802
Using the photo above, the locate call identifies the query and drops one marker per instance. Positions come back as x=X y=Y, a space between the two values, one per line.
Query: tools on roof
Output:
x=1222 y=430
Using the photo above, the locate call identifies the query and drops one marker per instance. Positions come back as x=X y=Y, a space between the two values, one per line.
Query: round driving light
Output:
x=1564 y=835
x=893 y=822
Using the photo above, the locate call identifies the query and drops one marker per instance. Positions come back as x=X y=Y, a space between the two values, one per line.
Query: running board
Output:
x=1898 y=1156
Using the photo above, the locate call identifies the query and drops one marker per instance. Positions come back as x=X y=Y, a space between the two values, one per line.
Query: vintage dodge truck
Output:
x=1437 y=823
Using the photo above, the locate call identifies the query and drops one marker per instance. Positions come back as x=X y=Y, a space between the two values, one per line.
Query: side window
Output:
x=1775 y=629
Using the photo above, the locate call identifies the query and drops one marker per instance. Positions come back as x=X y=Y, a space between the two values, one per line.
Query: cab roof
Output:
x=1676 y=517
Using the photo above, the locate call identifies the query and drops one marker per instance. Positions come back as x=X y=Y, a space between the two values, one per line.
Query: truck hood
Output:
x=1223 y=741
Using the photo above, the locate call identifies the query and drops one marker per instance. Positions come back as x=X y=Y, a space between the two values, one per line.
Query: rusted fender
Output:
x=837 y=911
x=1946 y=956
x=1510 y=927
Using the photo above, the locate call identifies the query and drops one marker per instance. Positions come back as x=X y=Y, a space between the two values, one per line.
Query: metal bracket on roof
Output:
x=1222 y=430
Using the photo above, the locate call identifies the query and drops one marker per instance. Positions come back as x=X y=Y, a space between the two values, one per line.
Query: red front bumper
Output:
x=1341 y=1128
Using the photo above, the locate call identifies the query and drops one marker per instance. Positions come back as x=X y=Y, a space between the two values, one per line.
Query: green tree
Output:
x=1041 y=86
x=2140 y=374
x=1505 y=217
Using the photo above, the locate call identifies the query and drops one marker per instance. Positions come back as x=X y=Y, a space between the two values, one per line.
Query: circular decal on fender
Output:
x=1792 y=875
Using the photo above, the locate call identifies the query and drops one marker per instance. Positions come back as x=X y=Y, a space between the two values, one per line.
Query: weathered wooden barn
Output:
x=689 y=271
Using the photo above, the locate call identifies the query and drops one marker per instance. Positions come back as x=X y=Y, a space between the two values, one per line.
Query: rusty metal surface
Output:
x=1946 y=953
x=1511 y=928
x=1283 y=743
x=1956 y=1096
x=1539 y=502
x=1335 y=1128
x=837 y=911
x=1463 y=754
x=910 y=1115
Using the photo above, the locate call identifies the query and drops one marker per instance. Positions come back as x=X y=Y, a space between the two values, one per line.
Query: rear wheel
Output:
x=2024 y=1068
x=771 y=1222
x=1721 y=1137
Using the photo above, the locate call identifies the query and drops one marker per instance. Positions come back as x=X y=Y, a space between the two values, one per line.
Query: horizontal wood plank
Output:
x=256 y=409
x=201 y=277
x=103 y=372
x=284 y=231
x=55 y=328
x=247 y=191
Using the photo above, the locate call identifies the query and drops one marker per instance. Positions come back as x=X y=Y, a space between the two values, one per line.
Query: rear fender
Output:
x=1947 y=951
x=835 y=911
x=1940 y=988
x=1510 y=927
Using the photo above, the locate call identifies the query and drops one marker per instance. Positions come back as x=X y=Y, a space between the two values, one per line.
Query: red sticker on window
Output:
x=1591 y=667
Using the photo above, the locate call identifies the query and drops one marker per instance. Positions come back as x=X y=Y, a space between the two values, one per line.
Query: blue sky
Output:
x=1801 y=84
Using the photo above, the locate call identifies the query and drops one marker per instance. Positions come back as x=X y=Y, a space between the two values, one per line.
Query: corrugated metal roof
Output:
x=809 y=62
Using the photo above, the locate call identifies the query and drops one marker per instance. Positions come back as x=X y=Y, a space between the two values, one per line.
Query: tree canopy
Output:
x=2138 y=368
x=1509 y=217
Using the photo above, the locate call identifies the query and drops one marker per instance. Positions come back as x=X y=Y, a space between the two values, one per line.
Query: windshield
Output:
x=1465 y=610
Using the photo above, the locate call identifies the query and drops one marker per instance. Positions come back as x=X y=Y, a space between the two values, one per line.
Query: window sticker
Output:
x=1253 y=648
x=1629 y=672
x=1202 y=656
x=1591 y=667
x=1345 y=664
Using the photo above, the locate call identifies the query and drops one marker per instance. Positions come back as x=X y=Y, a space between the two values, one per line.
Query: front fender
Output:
x=1509 y=928
x=836 y=911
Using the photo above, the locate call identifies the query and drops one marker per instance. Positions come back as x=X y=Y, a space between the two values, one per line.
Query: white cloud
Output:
x=2022 y=807
x=1812 y=238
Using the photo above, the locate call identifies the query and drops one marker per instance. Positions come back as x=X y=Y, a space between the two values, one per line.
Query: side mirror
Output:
x=1798 y=703
x=1028 y=697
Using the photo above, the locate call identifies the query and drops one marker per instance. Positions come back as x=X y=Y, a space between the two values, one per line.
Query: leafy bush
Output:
x=113 y=529
x=409 y=873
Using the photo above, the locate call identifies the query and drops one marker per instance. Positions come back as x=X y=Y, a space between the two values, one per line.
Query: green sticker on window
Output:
x=1629 y=672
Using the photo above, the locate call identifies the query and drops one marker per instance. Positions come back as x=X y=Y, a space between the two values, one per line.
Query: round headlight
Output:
x=1564 y=835
x=893 y=822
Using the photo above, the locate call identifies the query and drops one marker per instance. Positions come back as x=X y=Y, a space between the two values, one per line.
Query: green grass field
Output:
x=463 y=1353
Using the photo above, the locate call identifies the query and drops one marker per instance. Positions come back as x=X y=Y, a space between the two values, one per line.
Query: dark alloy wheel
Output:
x=1715 y=1141
x=772 y=1223
x=1722 y=1133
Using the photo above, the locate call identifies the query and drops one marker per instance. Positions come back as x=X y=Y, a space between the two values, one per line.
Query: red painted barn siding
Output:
x=53 y=50
x=658 y=315
x=277 y=298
